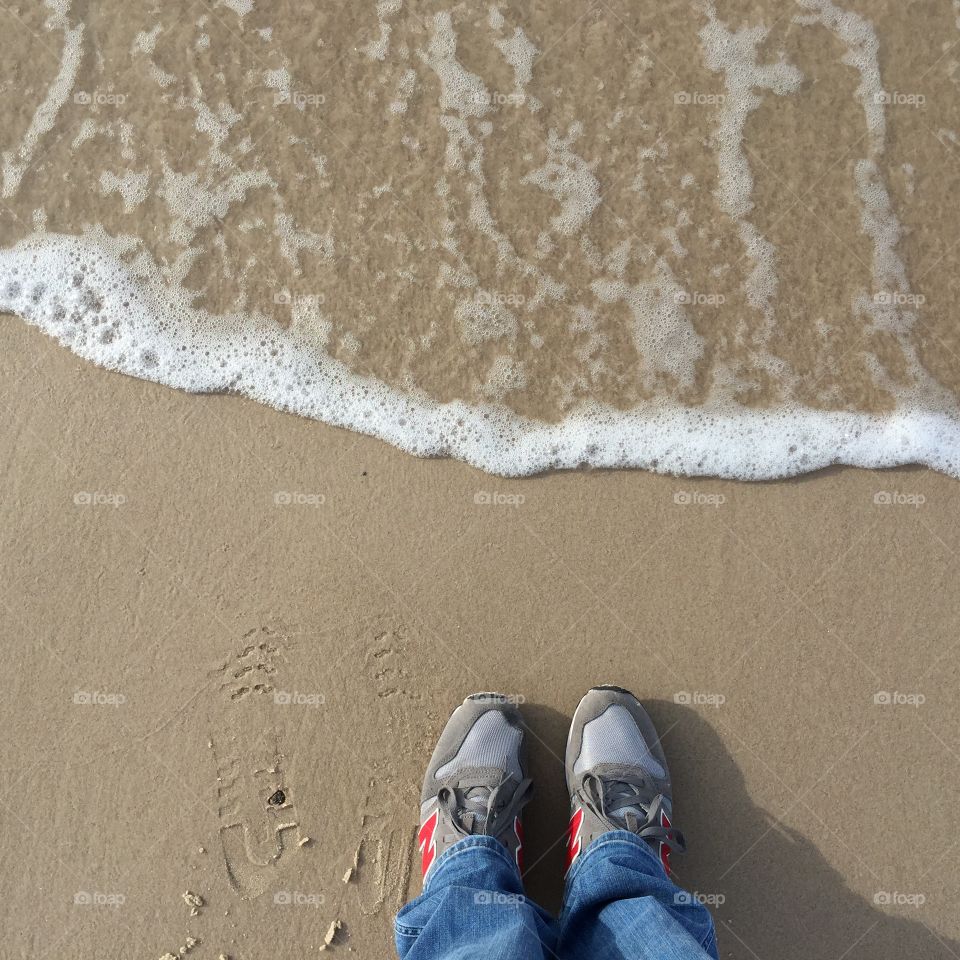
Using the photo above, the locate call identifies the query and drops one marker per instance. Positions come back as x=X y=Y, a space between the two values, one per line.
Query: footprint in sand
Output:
x=380 y=872
x=259 y=824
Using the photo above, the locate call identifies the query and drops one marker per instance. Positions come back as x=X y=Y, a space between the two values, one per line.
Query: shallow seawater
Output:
x=706 y=238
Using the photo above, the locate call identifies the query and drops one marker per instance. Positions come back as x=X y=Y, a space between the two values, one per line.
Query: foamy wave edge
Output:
x=123 y=318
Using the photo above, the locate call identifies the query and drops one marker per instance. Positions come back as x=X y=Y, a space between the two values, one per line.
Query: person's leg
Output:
x=619 y=900
x=620 y=903
x=472 y=906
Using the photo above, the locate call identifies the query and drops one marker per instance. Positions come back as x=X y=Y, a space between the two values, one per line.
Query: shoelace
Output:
x=480 y=810
x=621 y=799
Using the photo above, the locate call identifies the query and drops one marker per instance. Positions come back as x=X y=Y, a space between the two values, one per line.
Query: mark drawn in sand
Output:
x=379 y=874
x=258 y=821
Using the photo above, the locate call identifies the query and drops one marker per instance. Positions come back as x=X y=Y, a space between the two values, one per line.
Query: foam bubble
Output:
x=461 y=91
x=506 y=375
x=891 y=287
x=405 y=87
x=146 y=40
x=665 y=338
x=86 y=297
x=110 y=301
x=379 y=48
x=521 y=53
x=240 y=7
x=734 y=54
x=16 y=162
x=569 y=179
x=131 y=186
x=483 y=318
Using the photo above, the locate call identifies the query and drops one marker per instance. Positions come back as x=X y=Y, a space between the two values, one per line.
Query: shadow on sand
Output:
x=782 y=899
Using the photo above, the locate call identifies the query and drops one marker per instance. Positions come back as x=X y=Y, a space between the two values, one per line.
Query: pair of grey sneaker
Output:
x=617 y=777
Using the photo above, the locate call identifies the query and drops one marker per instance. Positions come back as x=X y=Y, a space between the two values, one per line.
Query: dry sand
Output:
x=190 y=604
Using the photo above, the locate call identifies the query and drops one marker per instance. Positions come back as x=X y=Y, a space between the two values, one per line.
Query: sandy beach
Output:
x=151 y=624
x=251 y=260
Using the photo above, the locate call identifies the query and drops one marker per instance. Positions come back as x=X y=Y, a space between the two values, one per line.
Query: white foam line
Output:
x=16 y=162
x=666 y=340
x=463 y=96
x=379 y=48
x=735 y=56
x=521 y=53
x=877 y=215
x=88 y=299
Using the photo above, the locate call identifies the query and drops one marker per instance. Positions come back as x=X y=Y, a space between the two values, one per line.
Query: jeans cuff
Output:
x=620 y=837
x=480 y=841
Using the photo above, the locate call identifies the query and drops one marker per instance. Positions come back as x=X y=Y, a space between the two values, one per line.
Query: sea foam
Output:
x=86 y=297
x=588 y=278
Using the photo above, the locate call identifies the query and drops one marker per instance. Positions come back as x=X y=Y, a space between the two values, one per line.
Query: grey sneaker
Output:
x=476 y=782
x=617 y=775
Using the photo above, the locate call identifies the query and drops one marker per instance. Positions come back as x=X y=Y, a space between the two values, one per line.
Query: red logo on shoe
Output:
x=518 y=831
x=664 y=849
x=427 y=838
x=574 y=843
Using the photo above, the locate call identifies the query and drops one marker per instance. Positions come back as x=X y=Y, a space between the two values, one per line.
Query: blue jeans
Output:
x=618 y=904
